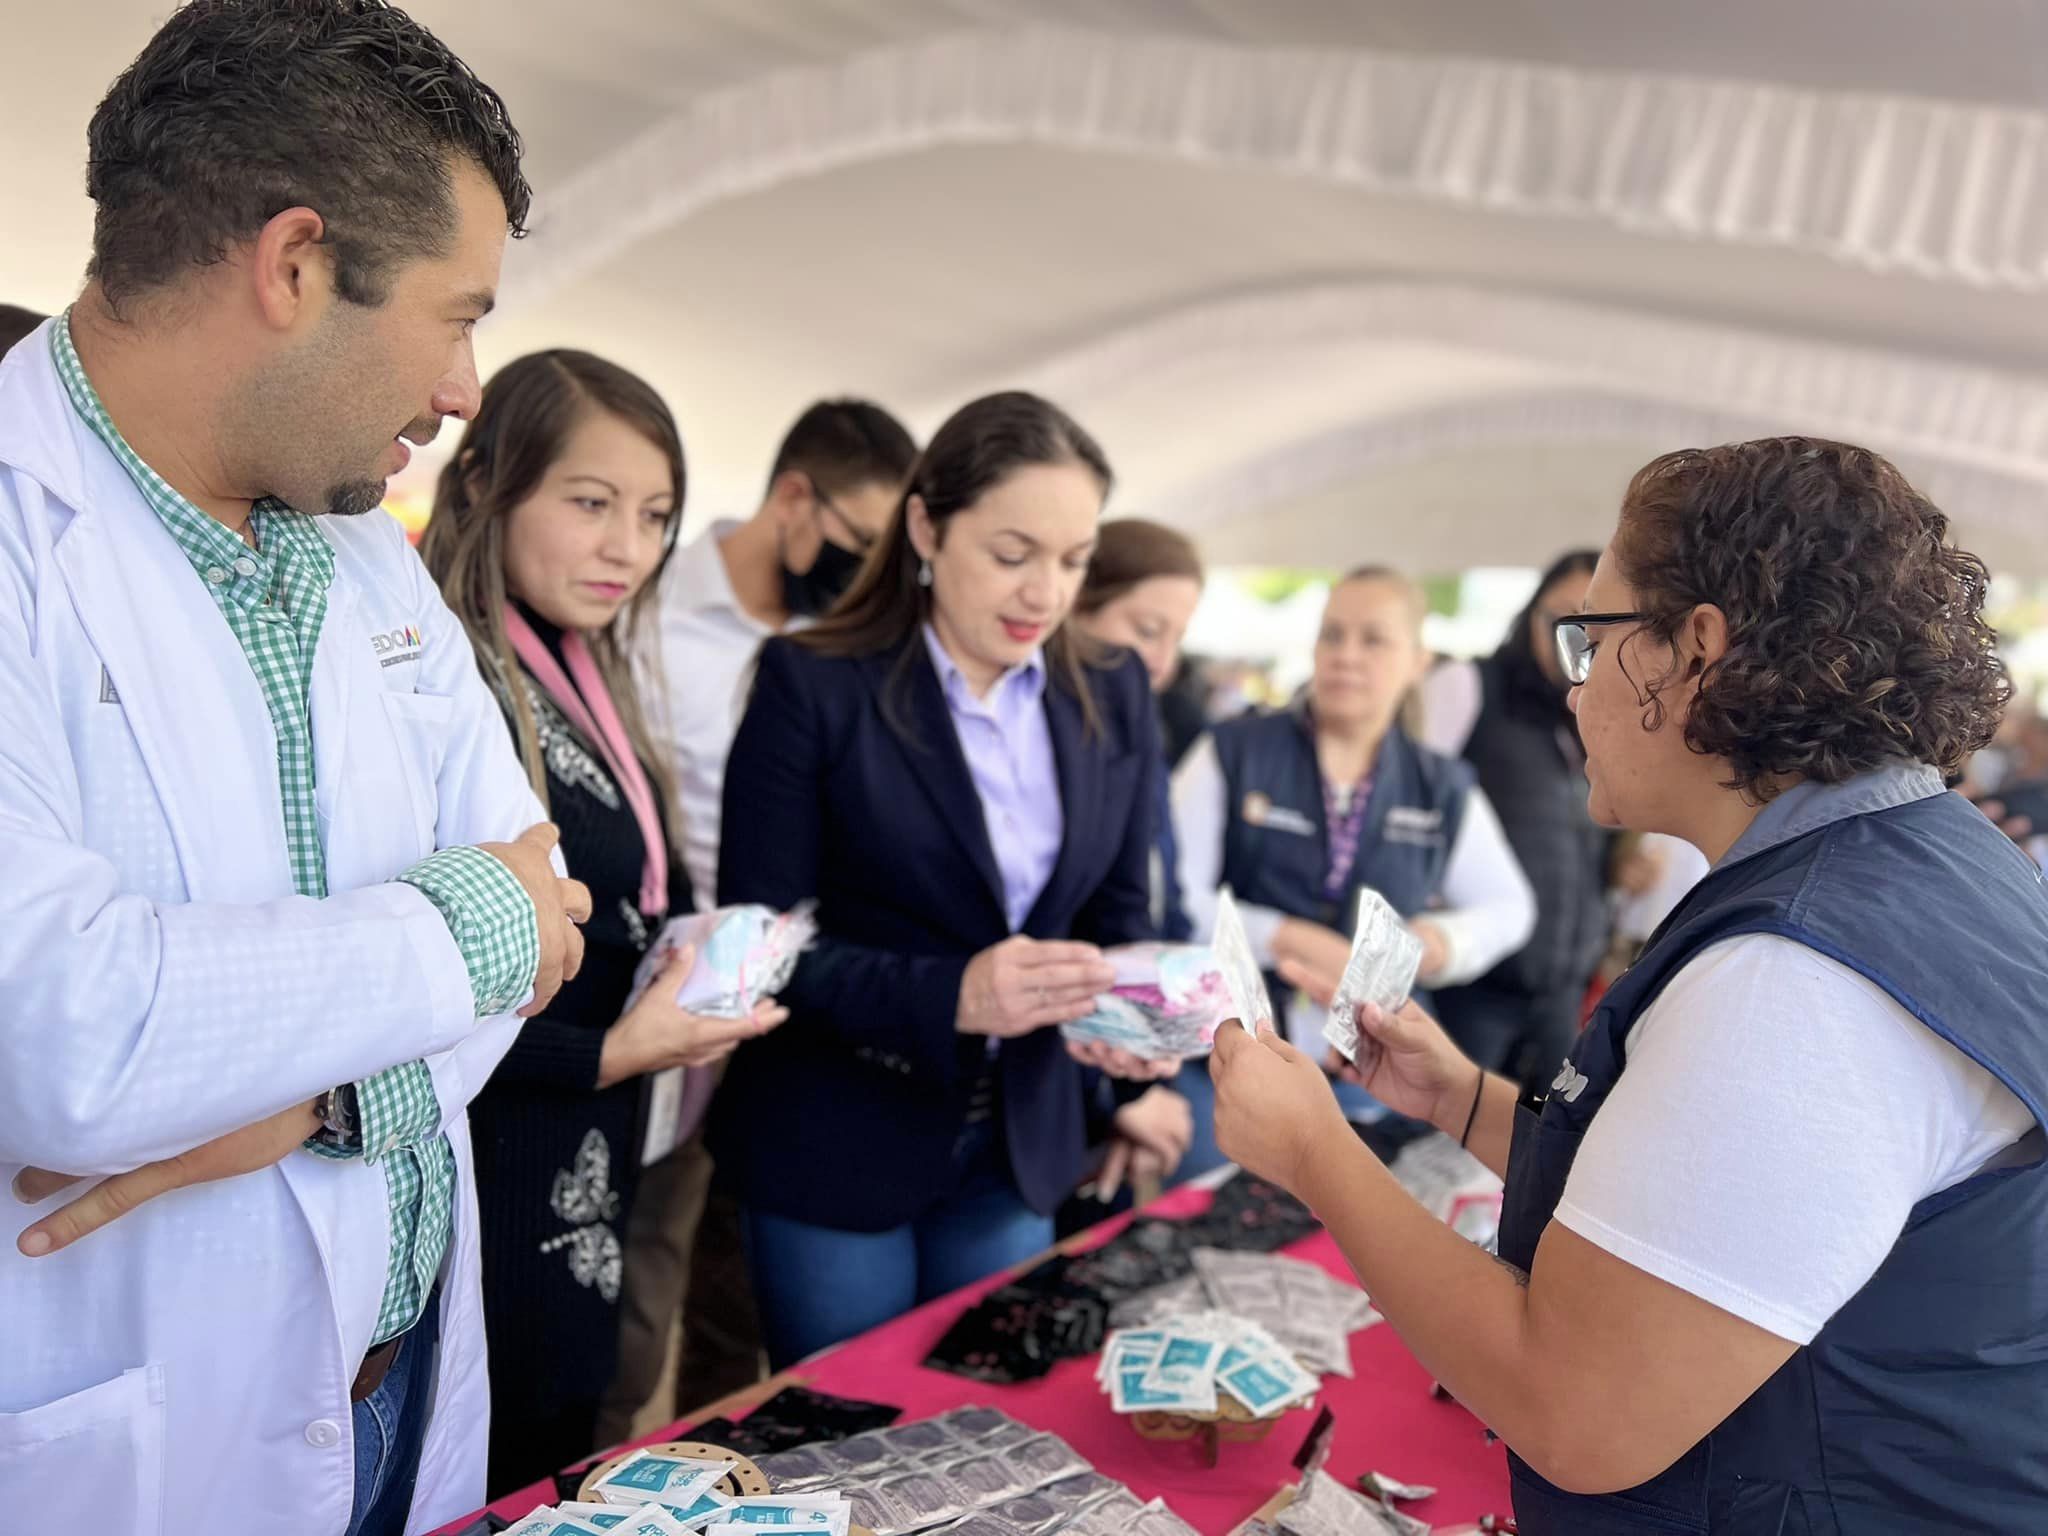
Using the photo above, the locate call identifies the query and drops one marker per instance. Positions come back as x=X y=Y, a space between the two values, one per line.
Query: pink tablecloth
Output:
x=1387 y=1419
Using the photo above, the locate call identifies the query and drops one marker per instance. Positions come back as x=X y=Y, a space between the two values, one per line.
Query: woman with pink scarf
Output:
x=550 y=527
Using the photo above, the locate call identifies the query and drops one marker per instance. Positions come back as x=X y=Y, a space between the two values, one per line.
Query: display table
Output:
x=1387 y=1418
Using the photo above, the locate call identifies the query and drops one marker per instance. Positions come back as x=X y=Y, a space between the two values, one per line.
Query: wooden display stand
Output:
x=1231 y=1421
x=744 y=1481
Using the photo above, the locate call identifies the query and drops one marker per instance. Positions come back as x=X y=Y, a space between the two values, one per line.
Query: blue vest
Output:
x=1276 y=839
x=1919 y=1407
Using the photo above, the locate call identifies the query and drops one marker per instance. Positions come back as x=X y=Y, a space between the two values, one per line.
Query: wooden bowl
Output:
x=1232 y=1422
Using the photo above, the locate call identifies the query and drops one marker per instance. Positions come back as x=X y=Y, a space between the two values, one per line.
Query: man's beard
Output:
x=352 y=498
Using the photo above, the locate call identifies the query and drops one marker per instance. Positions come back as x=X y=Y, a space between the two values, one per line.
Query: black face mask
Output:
x=810 y=593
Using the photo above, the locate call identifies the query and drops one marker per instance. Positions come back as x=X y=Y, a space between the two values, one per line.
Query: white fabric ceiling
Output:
x=1333 y=282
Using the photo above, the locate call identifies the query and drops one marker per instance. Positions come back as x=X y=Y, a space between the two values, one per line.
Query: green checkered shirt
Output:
x=274 y=599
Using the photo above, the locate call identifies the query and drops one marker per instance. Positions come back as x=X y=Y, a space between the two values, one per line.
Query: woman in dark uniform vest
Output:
x=1299 y=809
x=1771 y=1255
x=1518 y=734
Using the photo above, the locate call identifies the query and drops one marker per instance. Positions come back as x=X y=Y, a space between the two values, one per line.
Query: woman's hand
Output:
x=1637 y=871
x=2019 y=828
x=1310 y=947
x=1118 y=1062
x=1319 y=987
x=1316 y=968
x=238 y=1152
x=1153 y=1133
x=656 y=1034
x=1408 y=1063
x=1275 y=1114
x=1436 y=951
x=1023 y=984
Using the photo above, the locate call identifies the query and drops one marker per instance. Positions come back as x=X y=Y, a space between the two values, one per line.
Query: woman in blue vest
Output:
x=963 y=784
x=1298 y=810
x=1773 y=1244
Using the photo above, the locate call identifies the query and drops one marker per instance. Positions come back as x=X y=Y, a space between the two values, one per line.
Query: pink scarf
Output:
x=599 y=721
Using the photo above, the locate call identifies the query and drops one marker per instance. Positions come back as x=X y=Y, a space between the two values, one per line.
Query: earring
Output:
x=924 y=573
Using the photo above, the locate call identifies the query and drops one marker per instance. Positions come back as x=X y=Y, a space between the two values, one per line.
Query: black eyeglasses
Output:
x=856 y=538
x=1575 y=644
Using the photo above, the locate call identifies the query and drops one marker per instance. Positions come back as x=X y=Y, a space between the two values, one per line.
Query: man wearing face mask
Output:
x=835 y=484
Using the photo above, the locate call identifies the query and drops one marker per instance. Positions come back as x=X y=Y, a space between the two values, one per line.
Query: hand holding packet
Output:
x=1381 y=971
x=1164 y=1005
x=1250 y=1003
x=745 y=955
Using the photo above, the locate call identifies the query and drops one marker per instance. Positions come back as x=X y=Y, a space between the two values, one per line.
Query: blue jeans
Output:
x=1359 y=1107
x=1194 y=1084
x=391 y=1430
x=819 y=1285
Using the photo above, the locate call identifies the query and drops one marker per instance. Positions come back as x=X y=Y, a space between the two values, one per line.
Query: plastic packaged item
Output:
x=745 y=955
x=1164 y=1005
x=1381 y=972
x=1250 y=1004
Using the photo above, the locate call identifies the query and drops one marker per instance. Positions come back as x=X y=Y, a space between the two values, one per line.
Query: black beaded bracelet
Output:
x=1478 y=1093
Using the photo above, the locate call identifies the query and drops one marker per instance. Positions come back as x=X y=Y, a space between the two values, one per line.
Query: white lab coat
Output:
x=188 y=1367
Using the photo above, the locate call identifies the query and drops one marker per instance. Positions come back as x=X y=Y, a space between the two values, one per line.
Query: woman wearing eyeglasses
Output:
x=1772 y=1248
x=1298 y=810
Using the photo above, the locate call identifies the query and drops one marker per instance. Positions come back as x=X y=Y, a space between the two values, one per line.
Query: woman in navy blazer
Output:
x=965 y=788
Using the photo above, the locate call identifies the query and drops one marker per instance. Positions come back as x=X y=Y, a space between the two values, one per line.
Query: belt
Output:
x=376 y=1366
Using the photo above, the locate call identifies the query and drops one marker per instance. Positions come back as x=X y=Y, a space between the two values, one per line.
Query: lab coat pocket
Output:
x=108 y=1439
x=421 y=722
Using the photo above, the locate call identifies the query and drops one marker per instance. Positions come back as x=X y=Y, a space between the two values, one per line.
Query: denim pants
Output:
x=391 y=1430
x=818 y=1286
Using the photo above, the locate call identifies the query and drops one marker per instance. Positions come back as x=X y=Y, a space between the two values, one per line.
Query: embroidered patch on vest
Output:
x=1258 y=810
x=1414 y=824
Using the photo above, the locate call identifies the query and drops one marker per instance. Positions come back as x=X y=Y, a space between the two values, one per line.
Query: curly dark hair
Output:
x=1856 y=630
x=239 y=109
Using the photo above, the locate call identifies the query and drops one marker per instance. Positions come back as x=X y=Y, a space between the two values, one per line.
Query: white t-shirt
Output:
x=1780 y=1117
x=707 y=645
x=1452 y=696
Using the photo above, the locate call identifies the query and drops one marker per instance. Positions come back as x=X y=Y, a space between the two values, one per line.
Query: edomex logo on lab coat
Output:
x=397 y=645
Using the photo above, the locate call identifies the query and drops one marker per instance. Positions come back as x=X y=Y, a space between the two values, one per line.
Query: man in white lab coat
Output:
x=268 y=897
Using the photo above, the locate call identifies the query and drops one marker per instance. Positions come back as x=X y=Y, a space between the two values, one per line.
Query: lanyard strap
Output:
x=588 y=705
x=1345 y=831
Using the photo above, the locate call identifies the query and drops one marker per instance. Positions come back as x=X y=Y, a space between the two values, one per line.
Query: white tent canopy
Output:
x=1408 y=282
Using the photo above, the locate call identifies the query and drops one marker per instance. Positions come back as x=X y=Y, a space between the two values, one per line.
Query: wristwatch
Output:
x=339 y=1126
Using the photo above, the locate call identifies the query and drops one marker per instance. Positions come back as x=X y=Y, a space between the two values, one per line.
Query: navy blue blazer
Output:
x=848 y=1115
